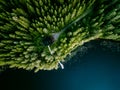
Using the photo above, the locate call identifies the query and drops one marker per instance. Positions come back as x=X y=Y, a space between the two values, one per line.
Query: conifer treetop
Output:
x=31 y=29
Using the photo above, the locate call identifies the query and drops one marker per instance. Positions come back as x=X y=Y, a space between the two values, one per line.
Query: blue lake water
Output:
x=97 y=69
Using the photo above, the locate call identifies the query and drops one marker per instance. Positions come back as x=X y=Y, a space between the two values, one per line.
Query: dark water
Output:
x=97 y=69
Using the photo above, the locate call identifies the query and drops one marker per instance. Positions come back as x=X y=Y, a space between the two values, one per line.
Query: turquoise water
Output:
x=95 y=68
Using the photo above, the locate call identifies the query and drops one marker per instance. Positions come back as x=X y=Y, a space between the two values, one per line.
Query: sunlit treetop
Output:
x=40 y=34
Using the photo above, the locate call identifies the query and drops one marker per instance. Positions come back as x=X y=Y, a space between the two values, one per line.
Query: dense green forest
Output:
x=40 y=34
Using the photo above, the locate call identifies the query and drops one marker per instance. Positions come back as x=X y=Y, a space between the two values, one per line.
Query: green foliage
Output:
x=25 y=23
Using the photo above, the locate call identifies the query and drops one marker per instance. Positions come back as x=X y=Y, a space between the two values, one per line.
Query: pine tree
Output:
x=40 y=34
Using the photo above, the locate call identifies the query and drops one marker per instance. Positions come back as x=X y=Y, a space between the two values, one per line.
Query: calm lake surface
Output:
x=97 y=67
